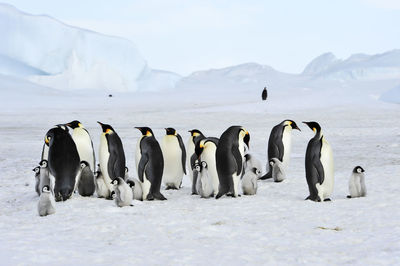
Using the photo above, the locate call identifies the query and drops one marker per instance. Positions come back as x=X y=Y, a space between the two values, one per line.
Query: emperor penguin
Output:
x=46 y=205
x=45 y=149
x=136 y=189
x=264 y=94
x=204 y=182
x=229 y=158
x=102 y=189
x=83 y=143
x=123 y=192
x=205 y=150
x=357 y=183
x=249 y=181
x=86 y=182
x=149 y=164
x=63 y=161
x=319 y=165
x=111 y=155
x=174 y=154
x=280 y=144
x=195 y=136
x=278 y=171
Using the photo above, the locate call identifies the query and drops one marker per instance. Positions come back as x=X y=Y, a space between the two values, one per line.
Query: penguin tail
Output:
x=268 y=175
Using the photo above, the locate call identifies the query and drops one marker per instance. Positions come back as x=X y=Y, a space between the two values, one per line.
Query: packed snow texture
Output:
x=48 y=52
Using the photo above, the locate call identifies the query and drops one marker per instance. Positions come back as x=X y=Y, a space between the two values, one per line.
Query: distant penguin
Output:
x=123 y=192
x=319 y=165
x=204 y=182
x=149 y=164
x=280 y=144
x=357 y=183
x=278 y=171
x=249 y=181
x=102 y=189
x=136 y=189
x=264 y=94
x=46 y=205
x=83 y=143
x=63 y=161
x=86 y=183
x=252 y=162
x=230 y=158
x=174 y=154
x=205 y=150
x=195 y=136
x=111 y=155
x=37 y=179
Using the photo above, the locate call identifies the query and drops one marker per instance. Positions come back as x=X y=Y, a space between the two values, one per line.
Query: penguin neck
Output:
x=319 y=134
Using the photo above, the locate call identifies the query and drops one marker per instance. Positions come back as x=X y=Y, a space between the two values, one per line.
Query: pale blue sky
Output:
x=185 y=36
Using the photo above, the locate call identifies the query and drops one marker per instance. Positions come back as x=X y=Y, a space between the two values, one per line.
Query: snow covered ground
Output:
x=276 y=226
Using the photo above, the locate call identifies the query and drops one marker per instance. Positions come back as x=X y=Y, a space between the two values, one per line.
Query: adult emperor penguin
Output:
x=111 y=155
x=83 y=143
x=149 y=164
x=230 y=158
x=280 y=144
x=46 y=204
x=86 y=185
x=123 y=192
x=63 y=161
x=319 y=165
x=205 y=150
x=174 y=154
x=357 y=183
x=195 y=136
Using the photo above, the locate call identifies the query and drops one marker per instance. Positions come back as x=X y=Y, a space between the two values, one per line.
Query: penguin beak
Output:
x=294 y=126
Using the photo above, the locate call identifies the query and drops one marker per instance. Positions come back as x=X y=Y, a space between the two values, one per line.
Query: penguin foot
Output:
x=328 y=199
x=131 y=205
x=150 y=197
x=349 y=197
x=159 y=196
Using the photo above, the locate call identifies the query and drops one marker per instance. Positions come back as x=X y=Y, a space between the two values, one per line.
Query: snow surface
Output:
x=276 y=226
x=392 y=95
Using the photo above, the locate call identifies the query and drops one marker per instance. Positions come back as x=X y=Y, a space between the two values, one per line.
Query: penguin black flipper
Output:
x=275 y=144
x=94 y=155
x=116 y=163
x=182 y=146
x=238 y=159
x=142 y=166
x=193 y=159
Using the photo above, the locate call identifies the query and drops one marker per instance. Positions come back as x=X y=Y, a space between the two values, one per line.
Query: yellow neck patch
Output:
x=108 y=131
x=148 y=134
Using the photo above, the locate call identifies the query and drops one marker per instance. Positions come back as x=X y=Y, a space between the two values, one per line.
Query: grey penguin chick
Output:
x=86 y=185
x=136 y=189
x=204 y=181
x=249 y=181
x=46 y=205
x=101 y=187
x=123 y=192
x=278 y=171
x=357 y=183
x=252 y=162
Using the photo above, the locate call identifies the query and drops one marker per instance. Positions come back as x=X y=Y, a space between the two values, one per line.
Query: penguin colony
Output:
x=216 y=166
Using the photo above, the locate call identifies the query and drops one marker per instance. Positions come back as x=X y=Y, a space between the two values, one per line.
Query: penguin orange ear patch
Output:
x=148 y=133
x=108 y=131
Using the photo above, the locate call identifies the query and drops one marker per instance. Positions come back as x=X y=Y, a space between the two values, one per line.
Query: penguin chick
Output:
x=204 y=182
x=101 y=187
x=252 y=162
x=278 y=172
x=357 y=183
x=46 y=205
x=37 y=179
x=249 y=181
x=86 y=185
x=196 y=172
x=123 y=192
x=136 y=189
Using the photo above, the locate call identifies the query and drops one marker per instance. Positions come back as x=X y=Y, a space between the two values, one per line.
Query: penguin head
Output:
x=256 y=171
x=170 y=131
x=43 y=163
x=74 y=124
x=314 y=126
x=358 y=169
x=130 y=183
x=195 y=132
x=46 y=189
x=271 y=162
x=246 y=136
x=51 y=134
x=247 y=157
x=107 y=129
x=84 y=164
x=126 y=169
x=291 y=123
x=115 y=182
x=197 y=167
x=63 y=127
x=36 y=170
x=203 y=165
x=146 y=131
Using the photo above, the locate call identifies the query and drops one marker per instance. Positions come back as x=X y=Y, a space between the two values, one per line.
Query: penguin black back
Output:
x=63 y=161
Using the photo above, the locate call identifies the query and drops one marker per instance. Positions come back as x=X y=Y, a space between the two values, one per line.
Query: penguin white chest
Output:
x=172 y=153
x=189 y=152
x=235 y=177
x=103 y=158
x=328 y=165
x=138 y=153
x=84 y=146
x=287 y=146
x=208 y=155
